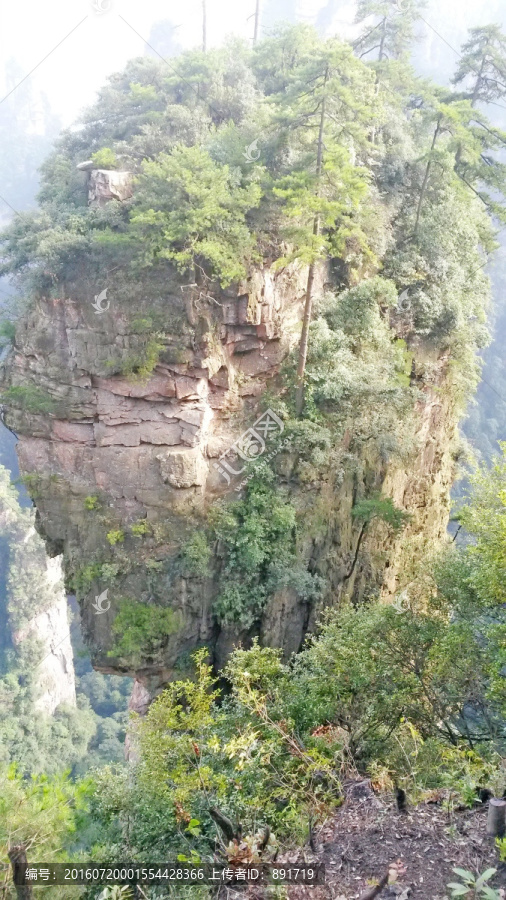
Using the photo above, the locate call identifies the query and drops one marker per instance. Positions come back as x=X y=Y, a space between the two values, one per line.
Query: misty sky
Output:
x=102 y=42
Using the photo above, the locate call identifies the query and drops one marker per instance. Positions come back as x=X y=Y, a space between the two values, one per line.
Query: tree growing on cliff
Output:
x=484 y=516
x=483 y=64
x=327 y=108
x=458 y=132
x=191 y=210
x=393 y=28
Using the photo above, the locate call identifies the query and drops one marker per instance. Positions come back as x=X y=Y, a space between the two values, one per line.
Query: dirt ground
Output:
x=369 y=834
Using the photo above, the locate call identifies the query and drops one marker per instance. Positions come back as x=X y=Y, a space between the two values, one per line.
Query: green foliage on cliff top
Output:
x=189 y=208
x=215 y=212
x=105 y=159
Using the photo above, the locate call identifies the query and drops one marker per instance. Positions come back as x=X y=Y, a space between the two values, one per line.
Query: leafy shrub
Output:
x=257 y=543
x=30 y=398
x=105 y=159
x=141 y=630
x=474 y=885
x=84 y=577
x=372 y=667
x=195 y=555
x=109 y=571
x=91 y=502
x=238 y=755
x=115 y=537
x=25 y=804
x=142 y=363
x=140 y=529
x=501 y=846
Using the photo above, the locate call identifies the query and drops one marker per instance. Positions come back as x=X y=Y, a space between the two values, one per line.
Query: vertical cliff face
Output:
x=124 y=467
x=55 y=673
x=34 y=606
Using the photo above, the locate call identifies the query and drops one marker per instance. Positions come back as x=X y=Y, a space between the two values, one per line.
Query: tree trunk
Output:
x=308 y=306
x=357 y=551
x=496 y=817
x=204 y=26
x=257 y=22
x=458 y=155
x=426 y=177
x=17 y=856
x=479 y=79
x=382 y=41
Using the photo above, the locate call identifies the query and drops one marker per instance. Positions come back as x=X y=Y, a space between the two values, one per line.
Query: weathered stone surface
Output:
x=154 y=388
x=69 y=431
x=154 y=455
x=190 y=388
x=108 y=184
x=55 y=677
x=140 y=698
x=183 y=468
x=134 y=435
x=55 y=682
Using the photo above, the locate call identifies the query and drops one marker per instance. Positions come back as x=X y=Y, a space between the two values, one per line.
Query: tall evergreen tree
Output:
x=392 y=29
x=325 y=109
x=483 y=64
x=456 y=128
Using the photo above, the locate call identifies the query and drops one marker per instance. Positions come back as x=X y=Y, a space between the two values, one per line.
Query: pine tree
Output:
x=393 y=30
x=483 y=63
x=326 y=109
x=456 y=128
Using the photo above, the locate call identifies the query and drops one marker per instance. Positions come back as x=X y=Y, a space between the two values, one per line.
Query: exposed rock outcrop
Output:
x=156 y=449
x=34 y=604
x=104 y=185
x=55 y=674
